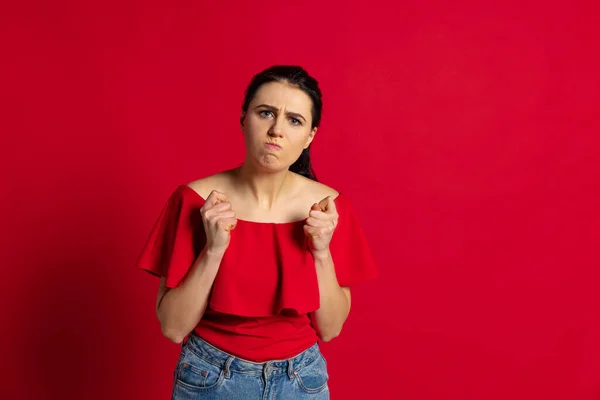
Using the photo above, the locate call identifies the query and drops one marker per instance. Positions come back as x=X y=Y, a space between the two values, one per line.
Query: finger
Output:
x=315 y=232
x=328 y=205
x=227 y=224
x=319 y=215
x=331 y=219
x=221 y=215
x=224 y=206
x=318 y=223
x=216 y=210
x=215 y=197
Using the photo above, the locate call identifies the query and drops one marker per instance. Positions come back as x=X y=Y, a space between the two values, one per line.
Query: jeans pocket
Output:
x=197 y=374
x=313 y=377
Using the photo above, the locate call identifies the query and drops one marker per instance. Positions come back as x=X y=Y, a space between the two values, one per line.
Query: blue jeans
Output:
x=205 y=372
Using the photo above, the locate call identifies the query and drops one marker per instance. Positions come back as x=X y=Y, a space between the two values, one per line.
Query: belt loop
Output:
x=290 y=368
x=227 y=365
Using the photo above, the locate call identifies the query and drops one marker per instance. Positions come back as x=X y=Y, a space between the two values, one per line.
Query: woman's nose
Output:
x=276 y=128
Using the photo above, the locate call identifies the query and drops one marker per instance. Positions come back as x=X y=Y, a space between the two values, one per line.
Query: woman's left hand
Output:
x=320 y=224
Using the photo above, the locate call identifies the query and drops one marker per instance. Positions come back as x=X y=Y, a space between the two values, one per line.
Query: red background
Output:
x=466 y=134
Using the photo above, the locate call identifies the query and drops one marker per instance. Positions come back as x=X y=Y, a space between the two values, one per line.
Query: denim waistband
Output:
x=229 y=362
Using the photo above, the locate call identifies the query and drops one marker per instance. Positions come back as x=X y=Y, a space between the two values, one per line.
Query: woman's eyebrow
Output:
x=289 y=113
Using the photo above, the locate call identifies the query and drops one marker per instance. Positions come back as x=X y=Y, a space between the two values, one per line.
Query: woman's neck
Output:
x=266 y=188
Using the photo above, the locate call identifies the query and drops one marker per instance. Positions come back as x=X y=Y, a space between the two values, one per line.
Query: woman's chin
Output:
x=269 y=163
x=266 y=163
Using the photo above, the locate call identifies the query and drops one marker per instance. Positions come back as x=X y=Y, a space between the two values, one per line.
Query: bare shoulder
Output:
x=204 y=186
x=316 y=191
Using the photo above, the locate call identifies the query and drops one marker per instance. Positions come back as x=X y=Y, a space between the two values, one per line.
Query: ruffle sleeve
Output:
x=350 y=250
x=176 y=239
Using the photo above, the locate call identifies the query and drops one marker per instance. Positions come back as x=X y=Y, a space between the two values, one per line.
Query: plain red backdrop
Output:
x=466 y=134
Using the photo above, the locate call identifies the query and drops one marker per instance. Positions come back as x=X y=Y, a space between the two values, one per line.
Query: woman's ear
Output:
x=242 y=117
x=311 y=137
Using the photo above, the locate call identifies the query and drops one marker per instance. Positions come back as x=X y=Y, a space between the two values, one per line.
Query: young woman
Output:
x=255 y=262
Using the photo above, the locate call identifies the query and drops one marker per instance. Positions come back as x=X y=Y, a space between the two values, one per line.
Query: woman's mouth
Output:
x=273 y=146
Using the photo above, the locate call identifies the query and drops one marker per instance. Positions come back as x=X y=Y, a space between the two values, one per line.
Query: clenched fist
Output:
x=320 y=224
x=219 y=219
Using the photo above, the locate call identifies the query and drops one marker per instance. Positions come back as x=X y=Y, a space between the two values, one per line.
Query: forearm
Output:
x=181 y=308
x=335 y=303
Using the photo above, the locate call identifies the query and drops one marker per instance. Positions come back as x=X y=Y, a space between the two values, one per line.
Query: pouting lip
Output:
x=274 y=144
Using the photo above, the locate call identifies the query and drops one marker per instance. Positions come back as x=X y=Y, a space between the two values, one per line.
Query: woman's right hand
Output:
x=219 y=219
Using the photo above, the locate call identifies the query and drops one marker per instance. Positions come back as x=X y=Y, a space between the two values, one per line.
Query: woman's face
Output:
x=279 y=114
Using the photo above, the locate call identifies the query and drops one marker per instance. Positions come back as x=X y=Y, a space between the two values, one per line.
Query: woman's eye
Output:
x=265 y=114
x=295 y=121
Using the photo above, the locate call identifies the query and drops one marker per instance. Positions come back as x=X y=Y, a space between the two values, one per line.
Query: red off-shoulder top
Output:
x=267 y=282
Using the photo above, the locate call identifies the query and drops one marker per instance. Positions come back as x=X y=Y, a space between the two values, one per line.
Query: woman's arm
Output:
x=335 y=300
x=180 y=309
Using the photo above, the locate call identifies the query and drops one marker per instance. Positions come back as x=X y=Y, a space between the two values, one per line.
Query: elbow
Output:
x=174 y=335
x=175 y=339
x=328 y=336
x=171 y=329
